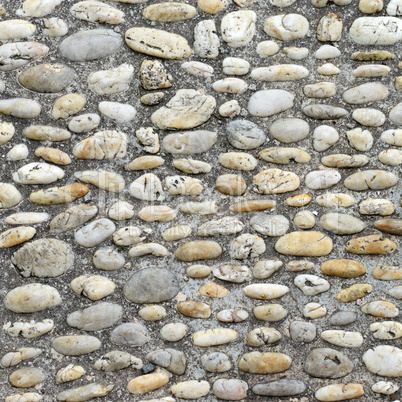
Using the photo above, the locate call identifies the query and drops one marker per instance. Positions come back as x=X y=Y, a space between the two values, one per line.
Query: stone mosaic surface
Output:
x=200 y=200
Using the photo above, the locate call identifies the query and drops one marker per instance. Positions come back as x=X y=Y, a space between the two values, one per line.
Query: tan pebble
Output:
x=371 y=70
x=339 y=392
x=354 y=292
x=160 y=213
x=284 y=156
x=393 y=226
x=69 y=373
x=380 y=308
x=198 y=271
x=345 y=161
x=298 y=200
x=304 y=220
x=15 y=236
x=253 y=205
x=270 y=312
x=154 y=249
x=329 y=28
x=174 y=332
x=149 y=139
x=264 y=362
x=89 y=391
x=152 y=313
x=370 y=6
x=212 y=6
x=146 y=163
x=176 y=233
x=95 y=287
x=24 y=397
x=7 y=132
x=398 y=83
x=314 y=310
x=27 y=377
x=320 y=90
x=96 y=11
x=198 y=250
x=121 y=210
x=231 y=184
x=214 y=337
x=391 y=157
x=370 y=180
x=202 y=208
x=297 y=266
x=59 y=195
x=275 y=181
x=328 y=69
x=183 y=185
x=194 y=309
x=68 y=105
x=46 y=133
x=30 y=329
x=192 y=389
x=335 y=199
x=304 y=244
x=343 y=268
x=238 y=161
x=214 y=290
x=169 y=12
x=192 y=166
x=53 y=155
x=263 y=336
x=387 y=272
x=371 y=244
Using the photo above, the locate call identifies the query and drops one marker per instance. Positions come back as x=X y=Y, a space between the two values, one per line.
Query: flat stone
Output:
x=395 y=115
x=152 y=313
x=391 y=157
x=160 y=213
x=305 y=244
x=198 y=271
x=324 y=112
x=284 y=156
x=96 y=11
x=120 y=112
x=265 y=291
x=396 y=292
x=298 y=200
x=174 y=332
x=224 y=226
x=301 y=331
x=341 y=224
x=341 y=318
x=15 y=236
x=232 y=315
x=194 y=309
x=314 y=310
x=103 y=179
x=280 y=73
x=18 y=54
x=238 y=28
x=375 y=55
x=320 y=90
x=113 y=81
x=380 y=308
x=147 y=383
x=76 y=345
x=238 y=161
x=384 y=387
x=72 y=218
x=386 y=330
x=247 y=246
x=46 y=133
x=96 y=318
x=214 y=337
x=169 y=12
x=343 y=338
x=384 y=360
x=371 y=70
x=183 y=185
x=244 y=134
x=121 y=210
x=339 y=392
x=230 y=389
x=147 y=187
x=296 y=53
x=90 y=45
x=263 y=336
x=116 y=360
x=38 y=173
x=321 y=179
x=215 y=362
x=53 y=155
x=102 y=145
x=32 y=298
x=287 y=26
x=270 y=312
x=392 y=137
x=345 y=161
x=252 y=205
x=235 y=66
x=387 y=272
x=212 y=289
x=264 y=363
x=85 y=392
x=157 y=43
x=95 y=287
x=95 y=232
x=327 y=52
x=177 y=233
x=371 y=244
x=393 y=226
x=327 y=363
x=16 y=29
x=47 y=78
x=284 y=387
x=376 y=31
x=55 y=27
x=343 y=268
x=335 y=199
x=191 y=389
x=206 y=41
x=27 y=377
x=154 y=75
x=304 y=220
x=171 y=359
x=131 y=334
x=369 y=117
x=270 y=225
x=311 y=285
x=26 y=218
x=269 y=102
x=84 y=123
x=267 y=48
x=289 y=130
x=69 y=373
x=275 y=181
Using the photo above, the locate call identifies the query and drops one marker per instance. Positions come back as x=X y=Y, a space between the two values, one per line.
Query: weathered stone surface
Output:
x=95 y=232
x=173 y=360
x=343 y=268
x=270 y=312
x=381 y=309
x=321 y=179
x=339 y=392
x=113 y=81
x=72 y=218
x=371 y=244
x=18 y=54
x=85 y=392
x=384 y=360
x=275 y=181
x=191 y=389
x=238 y=27
x=95 y=287
x=341 y=224
x=96 y=11
x=287 y=26
x=371 y=180
x=393 y=226
x=327 y=363
x=194 y=309
x=284 y=387
x=198 y=250
x=214 y=337
x=76 y=345
x=244 y=134
x=279 y=73
x=269 y=102
x=147 y=383
x=270 y=225
x=284 y=156
x=376 y=31
x=387 y=272
x=131 y=334
x=27 y=377
x=264 y=363
x=306 y=244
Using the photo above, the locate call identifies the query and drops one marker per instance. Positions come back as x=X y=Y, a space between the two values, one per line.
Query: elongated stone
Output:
x=120 y=112
x=85 y=392
x=339 y=392
x=253 y=205
x=131 y=334
x=370 y=180
x=15 y=29
x=384 y=360
x=282 y=72
x=194 y=309
x=275 y=181
x=270 y=312
x=371 y=244
x=212 y=289
x=306 y=244
x=94 y=233
x=90 y=45
x=284 y=156
x=264 y=363
x=270 y=225
x=376 y=30
x=265 y=291
x=387 y=272
x=95 y=287
x=327 y=363
x=380 y=308
x=283 y=387
x=198 y=250
x=46 y=133
x=343 y=268
x=103 y=179
x=190 y=142
x=324 y=112
x=160 y=213
x=158 y=43
x=214 y=337
x=224 y=226
x=18 y=54
x=26 y=218
x=365 y=93
x=15 y=236
x=27 y=377
x=393 y=226
x=169 y=12
x=59 y=195
x=354 y=292
x=76 y=345
x=20 y=107
x=72 y=218
x=96 y=11
x=147 y=383
x=69 y=373
x=53 y=155
x=341 y=224
x=191 y=389
x=386 y=330
x=84 y=123
x=269 y=102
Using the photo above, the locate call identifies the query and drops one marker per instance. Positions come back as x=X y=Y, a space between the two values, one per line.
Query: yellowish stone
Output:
x=147 y=383
x=214 y=290
x=304 y=244
x=198 y=250
x=343 y=268
x=264 y=363
x=354 y=292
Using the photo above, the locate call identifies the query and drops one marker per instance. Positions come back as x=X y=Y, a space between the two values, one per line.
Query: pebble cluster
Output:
x=231 y=178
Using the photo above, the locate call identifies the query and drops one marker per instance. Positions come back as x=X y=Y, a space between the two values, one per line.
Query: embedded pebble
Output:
x=284 y=156
x=384 y=360
x=230 y=389
x=173 y=360
x=95 y=287
x=53 y=155
x=131 y=334
x=321 y=179
x=275 y=181
x=387 y=272
x=296 y=53
x=18 y=54
x=232 y=315
x=177 y=232
x=339 y=392
x=279 y=73
x=327 y=52
x=94 y=233
x=230 y=184
x=247 y=246
x=301 y=331
x=223 y=227
x=27 y=377
x=267 y=48
x=283 y=387
x=174 y=332
x=270 y=312
x=265 y=268
x=169 y=12
x=26 y=218
x=287 y=27
x=392 y=137
x=85 y=392
x=198 y=271
x=183 y=185
x=289 y=130
x=270 y=225
x=386 y=330
x=69 y=373
x=385 y=387
x=263 y=336
x=324 y=112
x=264 y=362
x=341 y=224
x=194 y=309
x=328 y=69
x=213 y=290
x=15 y=29
x=343 y=268
x=311 y=285
x=345 y=161
x=253 y=205
x=215 y=362
x=304 y=244
x=335 y=199
x=269 y=102
x=230 y=109
x=329 y=28
x=191 y=389
x=117 y=360
x=264 y=291
x=298 y=200
x=121 y=210
x=73 y=218
x=304 y=220
x=314 y=310
x=395 y=115
x=120 y=112
x=327 y=363
x=230 y=86
x=76 y=345
x=206 y=43
x=55 y=27
x=214 y=337
x=84 y=123
x=160 y=213
x=369 y=117
x=354 y=292
x=391 y=157
x=235 y=66
x=376 y=31
x=341 y=318
x=244 y=134
x=381 y=309
x=370 y=179
x=20 y=107
x=238 y=28
x=371 y=244
x=96 y=11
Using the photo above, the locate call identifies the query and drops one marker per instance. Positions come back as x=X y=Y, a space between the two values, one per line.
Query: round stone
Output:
x=151 y=285
x=289 y=130
x=244 y=134
x=129 y=334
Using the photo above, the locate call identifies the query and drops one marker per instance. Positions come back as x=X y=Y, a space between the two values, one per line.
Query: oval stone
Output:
x=284 y=387
x=269 y=102
x=289 y=130
x=47 y=78
x=198 y=250
x=341 y=224
x=189 y=142
x=90 y=45
x=275 y=181
x=343 y=268
x=27 y=377
x=244 y=134
x=339 y=392
x=129 y=334
x=76 y=345
x=321 y=179
x=44 y=258
x=365 y=93
x=376 y=30
x=264 y=363
x=327 y=363
x=214 y=337
x=169 y=12
x=304 y=244
x=158 y=43
x=151 y=285
x=384 y=360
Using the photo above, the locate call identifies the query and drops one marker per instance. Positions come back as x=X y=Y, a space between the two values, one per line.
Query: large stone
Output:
x=275 y=181
x=76 y=345
x=198 y=250
x=289 y=130
x=131 y=334
x=376 y=30
x=151 y=285
x=327 y=363
x=384 y=360
x=18 y=54
x=189 y=142
x=343 y=268
x=365 y=93
x=304 y=244
x=244 y=134
x=264 y=363
x=371 y=244
x=371 y=180
x=96 y=11
x=269 y=102
x=341 y=224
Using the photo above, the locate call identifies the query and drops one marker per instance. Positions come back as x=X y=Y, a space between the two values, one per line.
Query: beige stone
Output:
x=231 y=184
x=214 y=337
x=343 y=268
x=160 y=213
x=198 y=250
x=275 y=181
x=304 y=244
x=264 y=362
x=387 y=272
x=371 y=244
x=339 y=392
x=68 y=105
x=191 y=389
x=15 y=236
x=270 y=312
x=212 y=289
x=59 y=195
x=253 y=205
x=194 y=309
x=354 y=292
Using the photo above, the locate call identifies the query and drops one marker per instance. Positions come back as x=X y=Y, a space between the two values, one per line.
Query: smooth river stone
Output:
x=269 y=102
x=339 y=392
x=151 y=285
x=304 y=244
x=129 y=334
x=343 y=318
x=286 y=26
x=265 y=291
x=169 y=12
x=14 y=236
x=264 y=363
x=343 y=268
x=395 y=115
x=371 y=244
x=365 y=93
x=289 y=130
x=188 y=108
x=95 y=232
x=189 y=142
x=44 y=258
x=327 y=363
x=147 y=383
x=76 y=345
x=270 y=225
x=384 y=360
x=198 y=250
x=393 y=226
x=281 y=72
x=18 y=54
x=324 y=112
x=27 y=377
x=370 y=180
x=231 y=389
x=214 y=337
x=16 y=29
x=192 y=389
x=275 y=181
x=85 y=392
x=32 y=298
x=96 y=11
x=238 y=28
x=158 y=43
x=72 y=218
x=90 y=45
x=341 y=224
x=376 y=30
x=284 y=387
x=244 y=134
x=20 y=107
x=47 y=78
